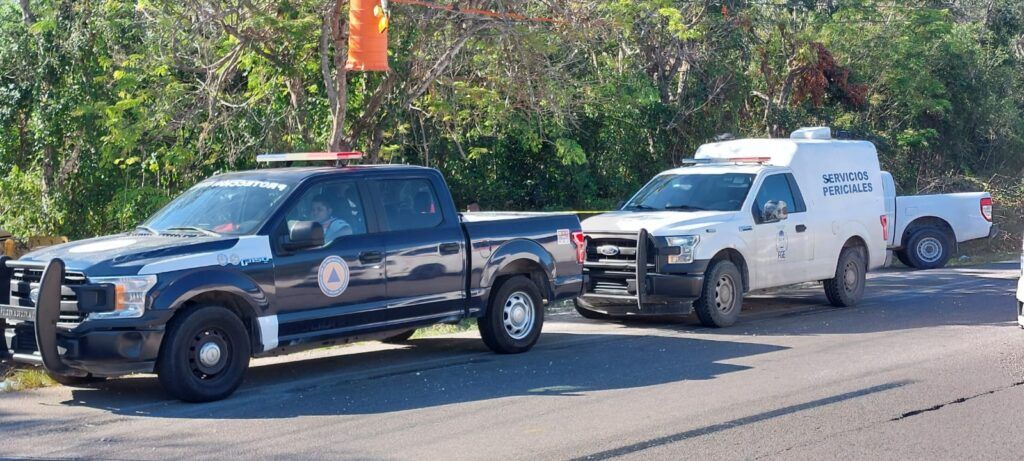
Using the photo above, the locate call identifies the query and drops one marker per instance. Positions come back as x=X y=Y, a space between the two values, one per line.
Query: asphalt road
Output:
x=929 y=366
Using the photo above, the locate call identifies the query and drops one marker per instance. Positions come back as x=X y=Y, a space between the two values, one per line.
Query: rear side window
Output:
x=779 y=187
x=410 y=204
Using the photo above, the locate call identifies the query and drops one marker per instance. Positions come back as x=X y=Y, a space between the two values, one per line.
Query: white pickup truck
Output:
x=752 y=214
x=926 y=228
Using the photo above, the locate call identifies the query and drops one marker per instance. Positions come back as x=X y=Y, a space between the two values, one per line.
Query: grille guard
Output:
x=47 y=311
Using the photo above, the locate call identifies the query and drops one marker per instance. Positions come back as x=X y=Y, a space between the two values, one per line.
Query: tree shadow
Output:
x=426 y=374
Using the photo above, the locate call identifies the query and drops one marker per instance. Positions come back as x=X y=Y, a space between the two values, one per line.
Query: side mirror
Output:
x=304 y=234
x=618 y=206
x=774 y=211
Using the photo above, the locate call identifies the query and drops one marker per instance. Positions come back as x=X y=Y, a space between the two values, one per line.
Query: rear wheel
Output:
x=514 y=317
x=204 y=354
x=929 y=247
x=847 y=287
x=901 y=255
x=721 y=298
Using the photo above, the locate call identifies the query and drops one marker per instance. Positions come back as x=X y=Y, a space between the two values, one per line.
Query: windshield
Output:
x=693 y=192
x=222 y=206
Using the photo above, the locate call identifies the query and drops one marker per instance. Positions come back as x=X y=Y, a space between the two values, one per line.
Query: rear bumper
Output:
x=33 y=335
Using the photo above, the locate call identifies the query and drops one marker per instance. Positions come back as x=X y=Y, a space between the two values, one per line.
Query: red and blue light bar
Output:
x=309 y=157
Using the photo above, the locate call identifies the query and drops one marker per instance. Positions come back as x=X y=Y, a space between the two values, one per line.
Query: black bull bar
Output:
x=45 y=314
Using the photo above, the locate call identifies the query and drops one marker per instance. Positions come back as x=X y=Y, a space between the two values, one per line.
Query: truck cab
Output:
x=272 y=261
x=744 y=215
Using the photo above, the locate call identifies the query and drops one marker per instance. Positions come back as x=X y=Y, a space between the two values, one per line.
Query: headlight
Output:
x=686 y=244
x=129 y=296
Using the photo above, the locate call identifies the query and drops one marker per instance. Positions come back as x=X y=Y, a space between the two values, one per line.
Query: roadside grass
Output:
x=14 y=378
x=445 y=329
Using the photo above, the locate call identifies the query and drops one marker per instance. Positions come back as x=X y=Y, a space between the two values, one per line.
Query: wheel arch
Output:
x=235 y=292
x=520 y=257
x=925 y=221
x=734 y=256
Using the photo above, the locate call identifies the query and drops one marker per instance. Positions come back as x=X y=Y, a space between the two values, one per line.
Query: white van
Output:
x=749 y=214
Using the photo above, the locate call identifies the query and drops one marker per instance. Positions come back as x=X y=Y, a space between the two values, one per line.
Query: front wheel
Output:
x=514 y=317
x=204 y=354
x=721 y=298
x=847 y=287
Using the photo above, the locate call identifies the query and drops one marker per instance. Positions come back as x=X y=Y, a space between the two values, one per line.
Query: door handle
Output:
x=801 y=227
x=371 y=257
x=448 y=248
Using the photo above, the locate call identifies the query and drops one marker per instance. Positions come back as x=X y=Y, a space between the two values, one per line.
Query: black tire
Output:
x=928 y=247
x=521 y=331
x=721 y=298
x=901 y=255
x=847 y=287
x=76 y=381
x=399 y=338
x=184 y=374
x=589 y=314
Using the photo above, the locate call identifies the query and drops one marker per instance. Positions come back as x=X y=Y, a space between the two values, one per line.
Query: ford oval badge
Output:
x=608 y=250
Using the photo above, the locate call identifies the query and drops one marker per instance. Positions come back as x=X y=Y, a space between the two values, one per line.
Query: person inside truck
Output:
x=323 y=213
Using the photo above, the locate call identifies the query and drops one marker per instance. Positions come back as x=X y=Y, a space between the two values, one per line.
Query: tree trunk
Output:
x=334 y=34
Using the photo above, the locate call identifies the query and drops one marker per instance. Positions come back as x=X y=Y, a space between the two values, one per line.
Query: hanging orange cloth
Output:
x=367 y=48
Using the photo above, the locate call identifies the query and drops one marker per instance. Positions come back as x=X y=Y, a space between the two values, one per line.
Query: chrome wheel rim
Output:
x=518 y=315
x=725 y=293
x=929 y=249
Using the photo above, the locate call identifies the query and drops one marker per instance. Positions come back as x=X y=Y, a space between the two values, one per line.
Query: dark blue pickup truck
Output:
x=273 y=261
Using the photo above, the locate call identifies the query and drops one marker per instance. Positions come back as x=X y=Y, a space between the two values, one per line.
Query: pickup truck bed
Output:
x=925 y=229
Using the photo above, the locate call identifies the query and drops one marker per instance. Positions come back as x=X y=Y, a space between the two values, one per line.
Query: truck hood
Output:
x=660 y=223
x=124 y=254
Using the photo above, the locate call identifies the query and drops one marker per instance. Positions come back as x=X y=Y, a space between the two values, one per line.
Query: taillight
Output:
x=580 y=239
x=986 y=208
x=884 y=219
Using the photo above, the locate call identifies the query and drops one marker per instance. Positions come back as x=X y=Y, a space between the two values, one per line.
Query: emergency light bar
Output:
x=706 y=161
x=309 y=156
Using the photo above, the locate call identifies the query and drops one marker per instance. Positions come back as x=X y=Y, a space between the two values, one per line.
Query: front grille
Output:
x=625 y=254
x=24 y=280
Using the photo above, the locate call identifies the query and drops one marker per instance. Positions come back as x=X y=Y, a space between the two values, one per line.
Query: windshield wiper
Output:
x=685 y=207
x=639 y=206
x=147 y=229
x=195 y=229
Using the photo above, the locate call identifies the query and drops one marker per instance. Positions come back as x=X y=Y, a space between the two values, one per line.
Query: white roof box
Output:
x=814 y=132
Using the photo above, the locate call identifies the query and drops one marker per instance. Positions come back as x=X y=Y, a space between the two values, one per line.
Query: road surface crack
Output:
x=953 y=402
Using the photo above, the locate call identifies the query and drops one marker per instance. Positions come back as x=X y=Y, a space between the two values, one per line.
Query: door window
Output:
x=777 y=188
x=336 y=205
x=410 y=204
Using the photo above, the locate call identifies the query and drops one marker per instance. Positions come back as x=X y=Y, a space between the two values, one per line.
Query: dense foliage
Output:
x=110 y=107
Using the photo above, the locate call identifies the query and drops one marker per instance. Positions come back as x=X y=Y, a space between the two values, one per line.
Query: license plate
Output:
x=17 y=313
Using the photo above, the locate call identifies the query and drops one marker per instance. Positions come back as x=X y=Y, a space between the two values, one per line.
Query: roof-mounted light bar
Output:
x=733 y=160
x=309 y=157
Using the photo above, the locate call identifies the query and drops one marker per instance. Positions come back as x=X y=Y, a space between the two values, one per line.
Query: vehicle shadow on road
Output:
x=899 y=299
x=434 y=372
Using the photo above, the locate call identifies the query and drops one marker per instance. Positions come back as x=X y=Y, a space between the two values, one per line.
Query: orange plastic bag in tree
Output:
x=367 y=48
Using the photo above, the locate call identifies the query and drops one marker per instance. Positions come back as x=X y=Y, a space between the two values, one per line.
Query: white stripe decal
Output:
x=250 y=249
x=268 y=332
